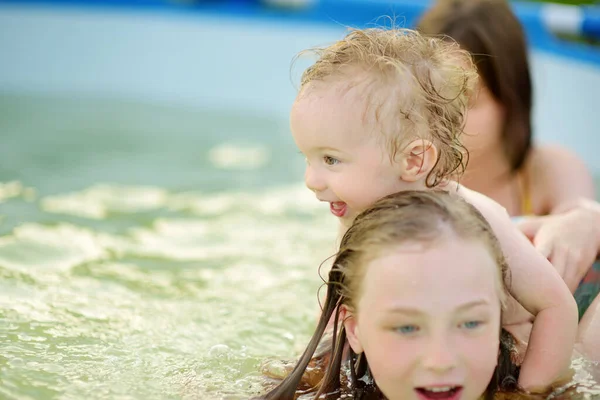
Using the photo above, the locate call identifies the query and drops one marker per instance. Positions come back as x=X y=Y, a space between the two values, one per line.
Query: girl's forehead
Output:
x=437 y=275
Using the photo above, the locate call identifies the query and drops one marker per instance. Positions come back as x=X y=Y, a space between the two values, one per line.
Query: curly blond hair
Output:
x=418 y=87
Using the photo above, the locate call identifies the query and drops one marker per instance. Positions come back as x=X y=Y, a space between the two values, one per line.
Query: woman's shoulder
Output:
x=551 y=172
x=551 y=156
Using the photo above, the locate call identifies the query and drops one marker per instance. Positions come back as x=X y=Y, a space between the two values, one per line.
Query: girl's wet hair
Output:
x=492 y=33
x=422 y=216
x=414 y=87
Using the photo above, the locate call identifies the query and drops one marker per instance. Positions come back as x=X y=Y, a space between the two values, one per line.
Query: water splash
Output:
x=231 y=156
x=185 y=301
x=99 y=201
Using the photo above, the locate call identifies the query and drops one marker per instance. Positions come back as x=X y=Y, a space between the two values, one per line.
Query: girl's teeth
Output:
x=439 y=389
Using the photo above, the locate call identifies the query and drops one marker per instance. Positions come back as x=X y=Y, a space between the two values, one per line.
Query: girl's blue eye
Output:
x=330 y=160
x=407 y=329
x=471 y=324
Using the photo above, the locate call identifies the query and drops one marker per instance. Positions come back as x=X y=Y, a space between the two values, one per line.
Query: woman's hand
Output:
x=570 y=240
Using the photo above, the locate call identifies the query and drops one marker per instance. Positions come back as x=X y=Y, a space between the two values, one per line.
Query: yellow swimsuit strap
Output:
x=526 y=206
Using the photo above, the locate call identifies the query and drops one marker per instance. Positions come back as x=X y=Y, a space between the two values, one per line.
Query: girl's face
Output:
x=428 y=319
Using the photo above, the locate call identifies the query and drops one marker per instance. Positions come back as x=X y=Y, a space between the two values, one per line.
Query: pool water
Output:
x=151 y=251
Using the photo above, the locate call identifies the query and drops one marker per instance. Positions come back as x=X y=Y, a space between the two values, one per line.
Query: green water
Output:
x=150 y=252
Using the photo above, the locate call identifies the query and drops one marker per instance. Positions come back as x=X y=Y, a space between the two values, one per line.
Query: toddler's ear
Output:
x=351 y=329
x=419 y=159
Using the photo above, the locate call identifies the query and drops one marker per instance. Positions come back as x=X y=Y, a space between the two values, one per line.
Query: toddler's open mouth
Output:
x=338 y=208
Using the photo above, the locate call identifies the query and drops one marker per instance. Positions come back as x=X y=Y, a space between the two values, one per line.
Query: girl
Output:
x=417 y=289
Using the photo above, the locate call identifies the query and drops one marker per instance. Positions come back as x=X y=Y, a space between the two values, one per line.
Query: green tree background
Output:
x=569 y=1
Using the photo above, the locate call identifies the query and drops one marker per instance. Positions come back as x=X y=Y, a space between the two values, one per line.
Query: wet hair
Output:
x=408 y=216
x=491 y=32
x=414 y=87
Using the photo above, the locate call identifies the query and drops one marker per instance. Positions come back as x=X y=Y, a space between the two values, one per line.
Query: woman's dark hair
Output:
x=491 y=32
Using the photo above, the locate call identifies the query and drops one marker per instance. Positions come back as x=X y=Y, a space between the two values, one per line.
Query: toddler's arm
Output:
x=539 y=288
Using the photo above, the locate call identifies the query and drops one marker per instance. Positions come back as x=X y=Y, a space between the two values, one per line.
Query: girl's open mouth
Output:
x=440 y=392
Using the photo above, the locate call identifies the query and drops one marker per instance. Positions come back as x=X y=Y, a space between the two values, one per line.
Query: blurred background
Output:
x=156 y=238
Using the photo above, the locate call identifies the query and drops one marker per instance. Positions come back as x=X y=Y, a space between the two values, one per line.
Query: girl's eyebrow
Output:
x=417 y=311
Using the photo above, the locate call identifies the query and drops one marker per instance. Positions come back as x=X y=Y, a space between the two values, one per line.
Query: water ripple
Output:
x=183 y=302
